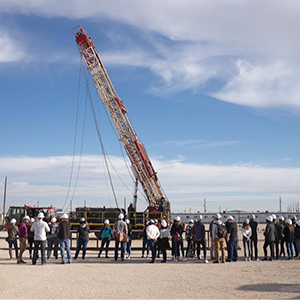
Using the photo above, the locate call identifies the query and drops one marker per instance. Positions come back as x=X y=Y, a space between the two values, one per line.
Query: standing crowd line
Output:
x=279 y=234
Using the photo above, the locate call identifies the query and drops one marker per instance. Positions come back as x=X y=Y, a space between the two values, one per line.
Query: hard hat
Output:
x=218 y=216
x=230 y=218
x=269 y=218
x=177 y=218
x=26 y=218
x=246 y=221
x=32 y=220
x=281 y=218
x=121 y=216
x=53 y=220
x=298 y=223
x=106 y=221
x=191 y=221
x=252 y=217
x=65 y=216
x=219 y=222
x=289 y=222
x=155 y=221
x=274 y=217
x=41 y=215
x=127 y=221
x=164 y=223
x=152 y=221
x=148 y=222
x=200 y=217
x=82 y=220
x=13 y=221
x=294 y=218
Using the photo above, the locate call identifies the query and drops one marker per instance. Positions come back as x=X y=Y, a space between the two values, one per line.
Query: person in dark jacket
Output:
x=30 y=236
x=52 y=239
x=64 y=234
x=199 y=231
x=176 y=233
x=83 y=238
x=13 y=232
x=282 y=241
x=289 y=233
x=232 y=239
x=297 y=235
x=269 y=238
x=253 y=239
x=278 y=235
x=294 y=221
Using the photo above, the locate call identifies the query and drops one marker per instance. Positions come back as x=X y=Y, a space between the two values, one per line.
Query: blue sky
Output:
x=213 y=95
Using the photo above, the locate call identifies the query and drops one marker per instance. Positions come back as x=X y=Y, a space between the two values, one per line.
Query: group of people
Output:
x=156 y=238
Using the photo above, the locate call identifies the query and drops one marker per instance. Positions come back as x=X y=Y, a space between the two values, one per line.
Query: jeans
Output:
x=83 y=244
x=145 y=243
x=15 y=244
x=277 y=242
x=254 y=244
x=123 y=249
x=203 y=243
x=65 y=245
x=152 y=245
x=37 y=244
x=175 y=248
x=296 y=249
x=180 y=244
x=246 y=244
x=190 y=245
x=105 y=241
x=271 y=245
x=233 y=252
x=282 y=251
x=129 y=246
x=52 y=241
x=289 y=249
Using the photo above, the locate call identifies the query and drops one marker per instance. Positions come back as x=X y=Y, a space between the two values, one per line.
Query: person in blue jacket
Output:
x=106 y=234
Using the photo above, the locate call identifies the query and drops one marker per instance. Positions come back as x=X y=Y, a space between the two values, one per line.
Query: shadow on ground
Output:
x=272 y=287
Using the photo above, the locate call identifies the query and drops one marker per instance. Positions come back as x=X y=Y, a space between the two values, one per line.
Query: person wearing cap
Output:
x=23 y=238
x=190 y=250
x=176 y=233
x=232 y=240
x=153 y=234
x=120 y=232
x=269 y=238
x=282 y=241
x=64 y=234
x=83 y=238
x=164 y=240
x=247 y=232
x=294 y=221
x=199 y=233
x=289 y=233
x=106 y=235
x=297 y=235
x=52 y=239
x=145 y=241
x=13 y=232
x=129 y=238
x=220 y=233
x=40 y=228
x=278 y=235
x=254 y=249
x=30 y=236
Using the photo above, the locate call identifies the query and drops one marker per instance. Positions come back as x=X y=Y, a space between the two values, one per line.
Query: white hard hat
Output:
x=191 y=221
x=200 y=217
x=252 y=217
x=164 y=223
x=148 y=222
x=269 y=218
x=32 y=220
x=53 y=220
x=121 y=216
x=106 y=221
x=13 y=221
x=218 y=216
x=177 y=218
x=41 y=215
x=294 y=218
x=274 y=217
x=298 y=223
x=219 y=222
x=152 y=221
x=230 y=218
x=26 y=218
x=289 y=222
x=247 y=221
x=64 y=216
x=281 y=218
x=127 y=221
x=82 y=220
x=155 y=221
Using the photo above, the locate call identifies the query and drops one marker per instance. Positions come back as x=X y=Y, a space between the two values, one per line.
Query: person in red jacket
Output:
x=23 y=239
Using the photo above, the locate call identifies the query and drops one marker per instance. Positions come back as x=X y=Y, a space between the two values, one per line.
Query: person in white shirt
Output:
x=247 y=233
x=40 y=228
x=153 y=233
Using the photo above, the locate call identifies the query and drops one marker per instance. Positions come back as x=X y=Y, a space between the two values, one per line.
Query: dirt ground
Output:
x=103 y=278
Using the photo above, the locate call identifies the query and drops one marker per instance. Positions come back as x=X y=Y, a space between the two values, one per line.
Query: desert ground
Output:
x=101 y=278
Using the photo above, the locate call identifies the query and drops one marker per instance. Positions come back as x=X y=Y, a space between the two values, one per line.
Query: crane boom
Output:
x=140 y=162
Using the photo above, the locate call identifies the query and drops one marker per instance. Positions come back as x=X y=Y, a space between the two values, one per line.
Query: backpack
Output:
x=221 y=231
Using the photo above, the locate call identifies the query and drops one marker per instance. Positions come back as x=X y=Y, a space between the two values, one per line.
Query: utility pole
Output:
x=38 y=204
x=280 y=204
x=71 y=208
x=125 y=203
x=204 y=205
x=84 y=203
x=4 y=202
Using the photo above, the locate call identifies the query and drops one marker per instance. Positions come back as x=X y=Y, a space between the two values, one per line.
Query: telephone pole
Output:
x=4 y=202
x=280 y=204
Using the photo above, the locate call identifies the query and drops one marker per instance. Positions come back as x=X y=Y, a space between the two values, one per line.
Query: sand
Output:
x=103 y=278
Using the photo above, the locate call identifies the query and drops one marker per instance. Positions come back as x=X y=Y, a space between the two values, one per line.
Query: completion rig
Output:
x=141 y=166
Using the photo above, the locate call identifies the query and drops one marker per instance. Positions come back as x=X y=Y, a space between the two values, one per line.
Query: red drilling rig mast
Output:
x=140 y=162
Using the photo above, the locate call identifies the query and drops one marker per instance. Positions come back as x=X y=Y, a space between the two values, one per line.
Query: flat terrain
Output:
x=103 y=278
